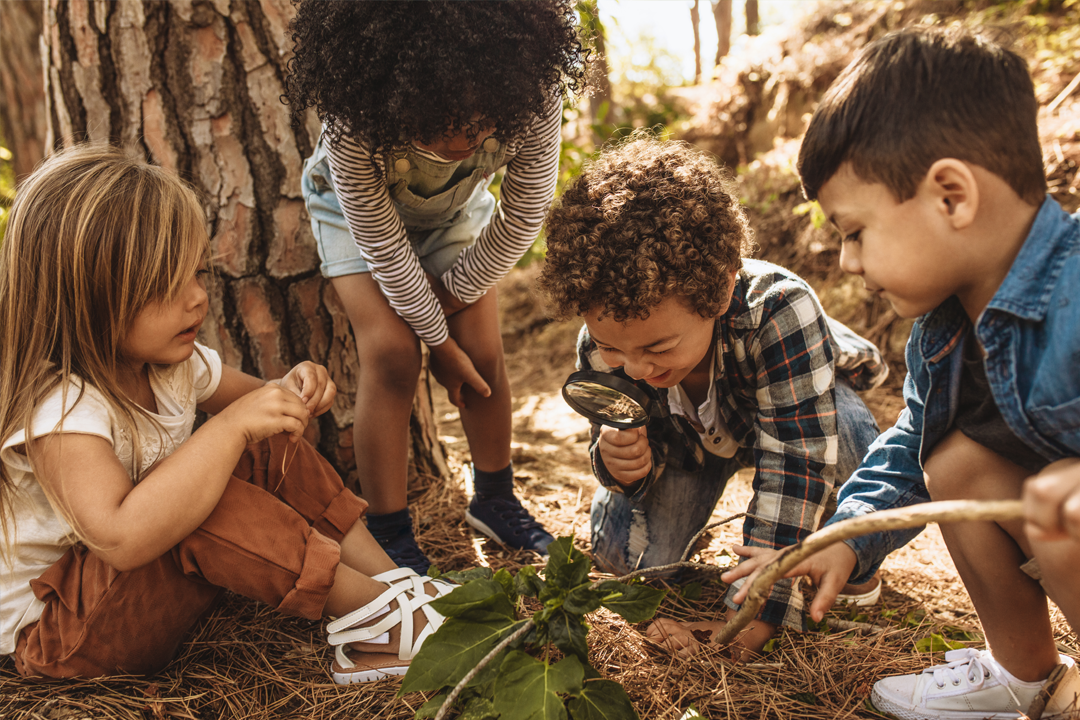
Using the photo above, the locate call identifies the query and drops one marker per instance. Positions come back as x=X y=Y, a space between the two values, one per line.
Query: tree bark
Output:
x=601 y=108
x=722 y=15
x=195 y=86
x=695 y=20
x=753 y=19
x=22 y=88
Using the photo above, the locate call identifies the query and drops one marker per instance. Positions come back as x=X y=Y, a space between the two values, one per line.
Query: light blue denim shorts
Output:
x=437 y=248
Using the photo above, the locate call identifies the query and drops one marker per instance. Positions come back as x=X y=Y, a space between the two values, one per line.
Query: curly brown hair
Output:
x=388 y=72
x=647 y=219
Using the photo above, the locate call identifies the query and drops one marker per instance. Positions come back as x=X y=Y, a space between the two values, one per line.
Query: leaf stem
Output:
x=449 y=702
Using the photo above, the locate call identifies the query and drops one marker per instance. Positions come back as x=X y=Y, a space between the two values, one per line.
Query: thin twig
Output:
x=449 y=702
x=894 y=519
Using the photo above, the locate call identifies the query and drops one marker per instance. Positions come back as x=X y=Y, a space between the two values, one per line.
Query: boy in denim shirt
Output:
x=647 y=246
x=925 y=155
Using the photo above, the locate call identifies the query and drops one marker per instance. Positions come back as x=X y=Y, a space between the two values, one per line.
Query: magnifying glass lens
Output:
x=601 y=403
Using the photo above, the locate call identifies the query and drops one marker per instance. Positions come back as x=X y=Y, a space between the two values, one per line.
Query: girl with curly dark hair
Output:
x=421 y=103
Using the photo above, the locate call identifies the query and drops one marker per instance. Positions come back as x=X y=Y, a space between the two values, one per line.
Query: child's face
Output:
x=899 y=249
x=164 y=332
x=456 y=144
x=662 y=349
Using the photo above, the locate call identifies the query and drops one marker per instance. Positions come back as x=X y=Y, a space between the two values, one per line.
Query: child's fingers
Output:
x=829 y=587
x=1052 y=502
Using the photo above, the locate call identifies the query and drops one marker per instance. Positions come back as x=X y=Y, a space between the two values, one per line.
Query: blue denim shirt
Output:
x=1031 y=334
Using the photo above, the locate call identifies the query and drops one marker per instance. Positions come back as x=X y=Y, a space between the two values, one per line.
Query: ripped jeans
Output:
x=627 y=536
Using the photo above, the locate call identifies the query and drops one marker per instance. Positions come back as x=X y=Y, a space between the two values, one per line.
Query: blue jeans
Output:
x=627 y=536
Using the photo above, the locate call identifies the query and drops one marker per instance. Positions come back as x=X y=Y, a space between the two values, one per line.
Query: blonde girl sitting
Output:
x=121 y=525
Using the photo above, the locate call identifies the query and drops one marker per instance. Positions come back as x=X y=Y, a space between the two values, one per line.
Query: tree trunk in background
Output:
x=195 y=86
x=753 y=20
x=22 y=88
x=601 y=109
x=722 y=15
x=695 y=19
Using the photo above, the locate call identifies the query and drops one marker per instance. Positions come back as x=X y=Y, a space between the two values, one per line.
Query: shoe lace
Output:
x=508 y=508
x=976 y=665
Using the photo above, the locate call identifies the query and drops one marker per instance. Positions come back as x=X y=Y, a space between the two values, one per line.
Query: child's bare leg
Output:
x=389 y=354
x=1011 y=605
x=486 y=420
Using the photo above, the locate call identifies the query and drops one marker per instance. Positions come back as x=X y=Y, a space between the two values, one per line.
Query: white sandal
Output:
x=408 y=589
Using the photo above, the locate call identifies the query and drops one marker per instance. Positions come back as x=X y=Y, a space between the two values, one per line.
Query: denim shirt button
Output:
x=402 y=166
x=716 y=441
x=491 y=145
x=712 y=431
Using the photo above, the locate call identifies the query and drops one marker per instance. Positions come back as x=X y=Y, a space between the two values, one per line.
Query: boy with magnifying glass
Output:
x=647 y=245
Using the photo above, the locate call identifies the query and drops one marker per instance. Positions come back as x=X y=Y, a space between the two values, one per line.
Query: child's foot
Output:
x=971 y=686
x=502 y=518
x=862 y=595
x=404 y=551
x=381 y=638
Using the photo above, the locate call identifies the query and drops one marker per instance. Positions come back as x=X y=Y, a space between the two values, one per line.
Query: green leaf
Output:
x=582 y=599
x=691 y=591
x=568 y=632
x=528 y=688
x=431 y=708
x=806 y=698
x=527 y=582
x=567 y=566
x=481 y=708
x=464 y=576
x=691 y=712
x=504 y=578
x=478 y=600
x=452 y=651
x=603 y=700
x=937 y=643
x=636 y=603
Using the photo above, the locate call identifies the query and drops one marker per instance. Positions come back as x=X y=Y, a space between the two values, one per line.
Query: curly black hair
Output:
x=387 y=72
x=646 y=220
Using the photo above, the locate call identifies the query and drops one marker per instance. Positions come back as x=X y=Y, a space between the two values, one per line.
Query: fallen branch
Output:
x=895 y=519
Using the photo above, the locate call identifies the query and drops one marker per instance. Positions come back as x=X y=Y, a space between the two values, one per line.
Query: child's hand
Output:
x=453 y=370
x=686 y=639
x=449 y=302
x=312 y=383
x=626 y=453
x=829 y=570
x=1052 y=502
x=265 y=412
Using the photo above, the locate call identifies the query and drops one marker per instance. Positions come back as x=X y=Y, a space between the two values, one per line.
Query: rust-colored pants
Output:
x=270 y=538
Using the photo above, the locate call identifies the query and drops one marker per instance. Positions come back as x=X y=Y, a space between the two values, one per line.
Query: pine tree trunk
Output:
x=22 y=89
x=695 y=20
x=722 y=15
x=195 y=86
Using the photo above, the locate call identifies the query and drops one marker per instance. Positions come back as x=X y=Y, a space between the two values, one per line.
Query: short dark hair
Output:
x=644 y=221
x=387 y=72
x=921 y=94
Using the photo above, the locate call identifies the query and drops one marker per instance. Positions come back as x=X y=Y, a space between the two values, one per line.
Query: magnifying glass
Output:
x=610 y=400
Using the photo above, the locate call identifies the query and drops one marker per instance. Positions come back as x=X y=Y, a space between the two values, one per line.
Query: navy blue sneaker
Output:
x=404 y=551
x=502 y=518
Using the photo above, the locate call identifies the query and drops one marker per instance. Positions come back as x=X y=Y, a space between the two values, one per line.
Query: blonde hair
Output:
x=93 y=237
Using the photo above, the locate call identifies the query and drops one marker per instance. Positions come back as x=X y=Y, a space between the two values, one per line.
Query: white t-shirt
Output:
x=39 y=535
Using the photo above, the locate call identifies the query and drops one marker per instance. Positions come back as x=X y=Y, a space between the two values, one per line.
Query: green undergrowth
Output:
x=545 y=674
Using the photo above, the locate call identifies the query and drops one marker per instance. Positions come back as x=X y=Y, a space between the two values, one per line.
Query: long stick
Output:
x=895 y=519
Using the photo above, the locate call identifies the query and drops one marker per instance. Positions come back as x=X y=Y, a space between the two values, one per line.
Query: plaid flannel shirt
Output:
x=776 y=355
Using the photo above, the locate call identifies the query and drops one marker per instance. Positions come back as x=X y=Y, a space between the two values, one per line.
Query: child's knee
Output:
x=961 y=469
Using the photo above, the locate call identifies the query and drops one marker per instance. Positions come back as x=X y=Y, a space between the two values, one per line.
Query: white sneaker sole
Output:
x=481 y=527
x=865 y=599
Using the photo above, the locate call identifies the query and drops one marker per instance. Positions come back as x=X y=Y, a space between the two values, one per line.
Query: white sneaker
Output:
x=972 y=686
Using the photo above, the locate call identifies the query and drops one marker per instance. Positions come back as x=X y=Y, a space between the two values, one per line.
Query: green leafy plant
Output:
x=482 y=617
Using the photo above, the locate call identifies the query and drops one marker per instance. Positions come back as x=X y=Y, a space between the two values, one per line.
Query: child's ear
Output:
x=951 y=187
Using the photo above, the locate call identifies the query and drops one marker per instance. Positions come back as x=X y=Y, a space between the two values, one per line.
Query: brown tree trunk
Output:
x=695 y=20
x=753 y=19
x=196 y=87
x=601 y=108
x=722 y=15
x=22 y=88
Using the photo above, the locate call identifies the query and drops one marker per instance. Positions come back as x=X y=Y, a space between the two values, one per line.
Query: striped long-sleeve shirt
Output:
x=525 y=196
x=776 y=355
